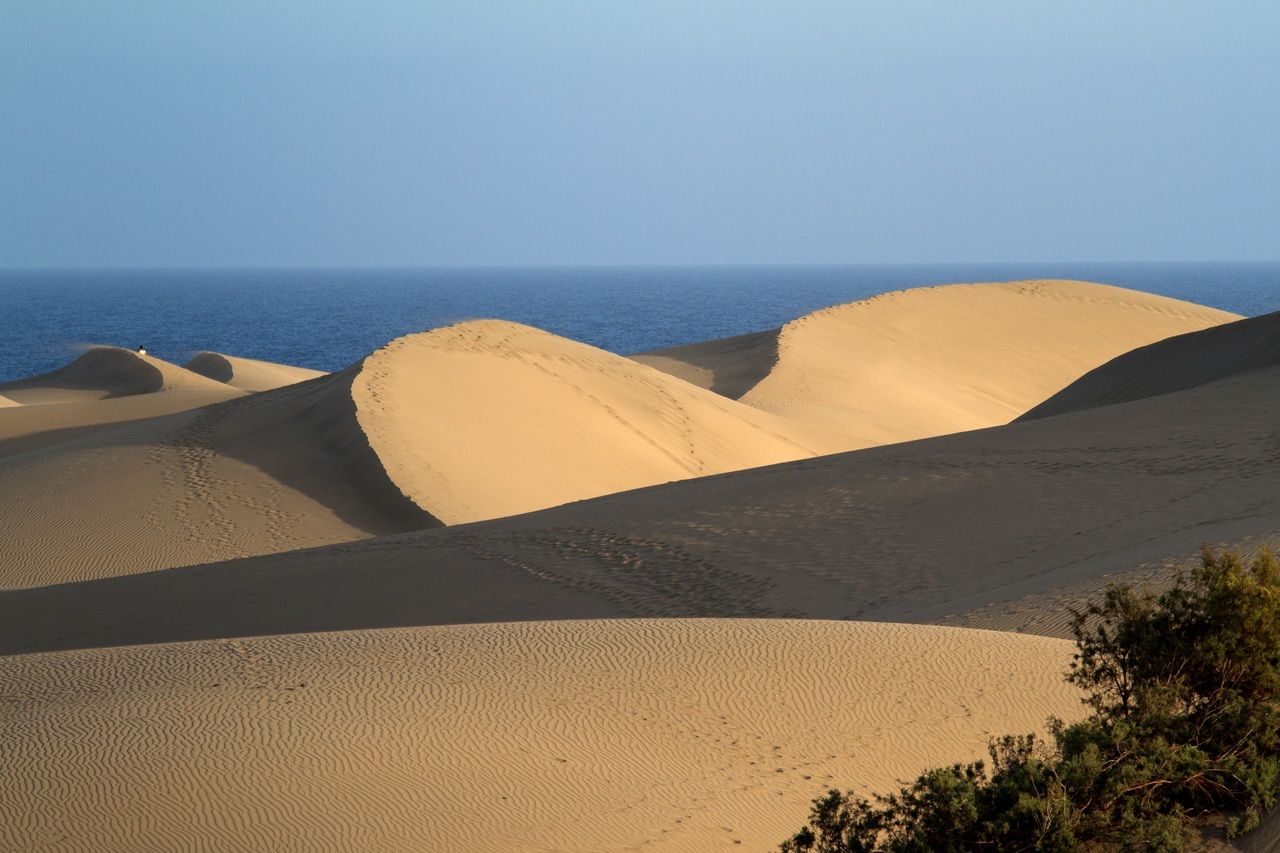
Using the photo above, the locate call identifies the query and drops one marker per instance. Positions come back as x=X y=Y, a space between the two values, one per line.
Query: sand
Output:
x=268 y=472
x=5 y=402
x=671 y=735
x=1175 y=364
x=934 y=360
x=478 y=420
x=919 y=532
x=728 y=366
x=492 y=697
x=487 y=418
x=103 y=372
x=248 y=374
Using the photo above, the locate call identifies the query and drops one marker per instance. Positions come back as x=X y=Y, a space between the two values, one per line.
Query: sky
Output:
x=314 y=133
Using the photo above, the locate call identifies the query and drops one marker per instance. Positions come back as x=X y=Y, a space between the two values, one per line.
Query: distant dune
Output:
x=104 y=372
x=489 y=418
x=1171 y=365
x=933 y=360
x=5 y=402
x=25 y=428
x=268 y=472
x=248 y=374
x=671 y=735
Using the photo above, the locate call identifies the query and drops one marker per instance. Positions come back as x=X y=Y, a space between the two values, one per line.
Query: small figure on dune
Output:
x=142 y=350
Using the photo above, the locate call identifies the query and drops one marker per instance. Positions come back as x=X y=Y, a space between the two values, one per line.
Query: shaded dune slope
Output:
x=266 y=472
x=673 y=735
x=728 y=366
x=248 y=374
x=934 y=360
x=24 y=428
x=1175 y=364
x=490 y=418
x=104 y=372
x=918 y=532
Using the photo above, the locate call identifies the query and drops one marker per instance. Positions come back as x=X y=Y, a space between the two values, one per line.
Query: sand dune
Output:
x=103 y=372
x=1172 y=365
x=268 y=472
x=5 y=402
x=472 y=421
x=248 y=374
x=578 y=731
x=920 y=532
x=671 y=735
x=488 y=418
x=934 y=360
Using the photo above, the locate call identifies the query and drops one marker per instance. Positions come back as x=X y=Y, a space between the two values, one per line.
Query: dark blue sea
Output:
x=328 y=318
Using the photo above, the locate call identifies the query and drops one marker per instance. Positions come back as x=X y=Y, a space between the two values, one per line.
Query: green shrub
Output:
x=1183 y=693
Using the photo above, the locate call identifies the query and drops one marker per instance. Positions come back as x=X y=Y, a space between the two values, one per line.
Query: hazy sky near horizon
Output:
x=302 y=132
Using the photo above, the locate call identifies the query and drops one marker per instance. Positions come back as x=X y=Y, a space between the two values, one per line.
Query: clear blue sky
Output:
x=274 y=132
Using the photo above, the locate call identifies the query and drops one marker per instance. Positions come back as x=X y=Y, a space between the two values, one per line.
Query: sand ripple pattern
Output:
x=587 y=735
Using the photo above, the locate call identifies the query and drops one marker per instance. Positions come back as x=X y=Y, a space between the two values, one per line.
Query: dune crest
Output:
x=248 y=374
x=935 y=360
x=1172 y=365
x=105 y=372
x=6 y=403
x=674 y=735
x=490 y=418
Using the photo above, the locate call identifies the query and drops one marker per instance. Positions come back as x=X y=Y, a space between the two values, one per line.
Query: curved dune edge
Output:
x=248 y=374
x=104 y=372
x=674 y=734
x=1175 y=364
x=490 y=418
x=6 y=403
x=930 y=361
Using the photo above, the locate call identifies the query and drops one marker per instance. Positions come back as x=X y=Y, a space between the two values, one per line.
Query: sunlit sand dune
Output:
x=490 y=418
x=6 y=403
x=248 y=374
x=104 y=372
x=687 y=735
x=921 y=532
x=472 y=421
x=934 y=360
x=1172 y=365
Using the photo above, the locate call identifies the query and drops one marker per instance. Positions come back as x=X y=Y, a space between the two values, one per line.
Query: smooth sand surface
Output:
x=672 y=735
x=103 y=372
x=267 y=472
x=5 y=402
x=920 y=532
x=935 y=360
x=1174 y=364
x=489 y=418
x=248 y=374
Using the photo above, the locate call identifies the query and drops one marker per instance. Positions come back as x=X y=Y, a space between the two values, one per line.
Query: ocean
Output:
x=328 y=318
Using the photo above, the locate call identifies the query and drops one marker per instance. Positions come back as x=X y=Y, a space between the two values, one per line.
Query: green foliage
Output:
x=1184 y=699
